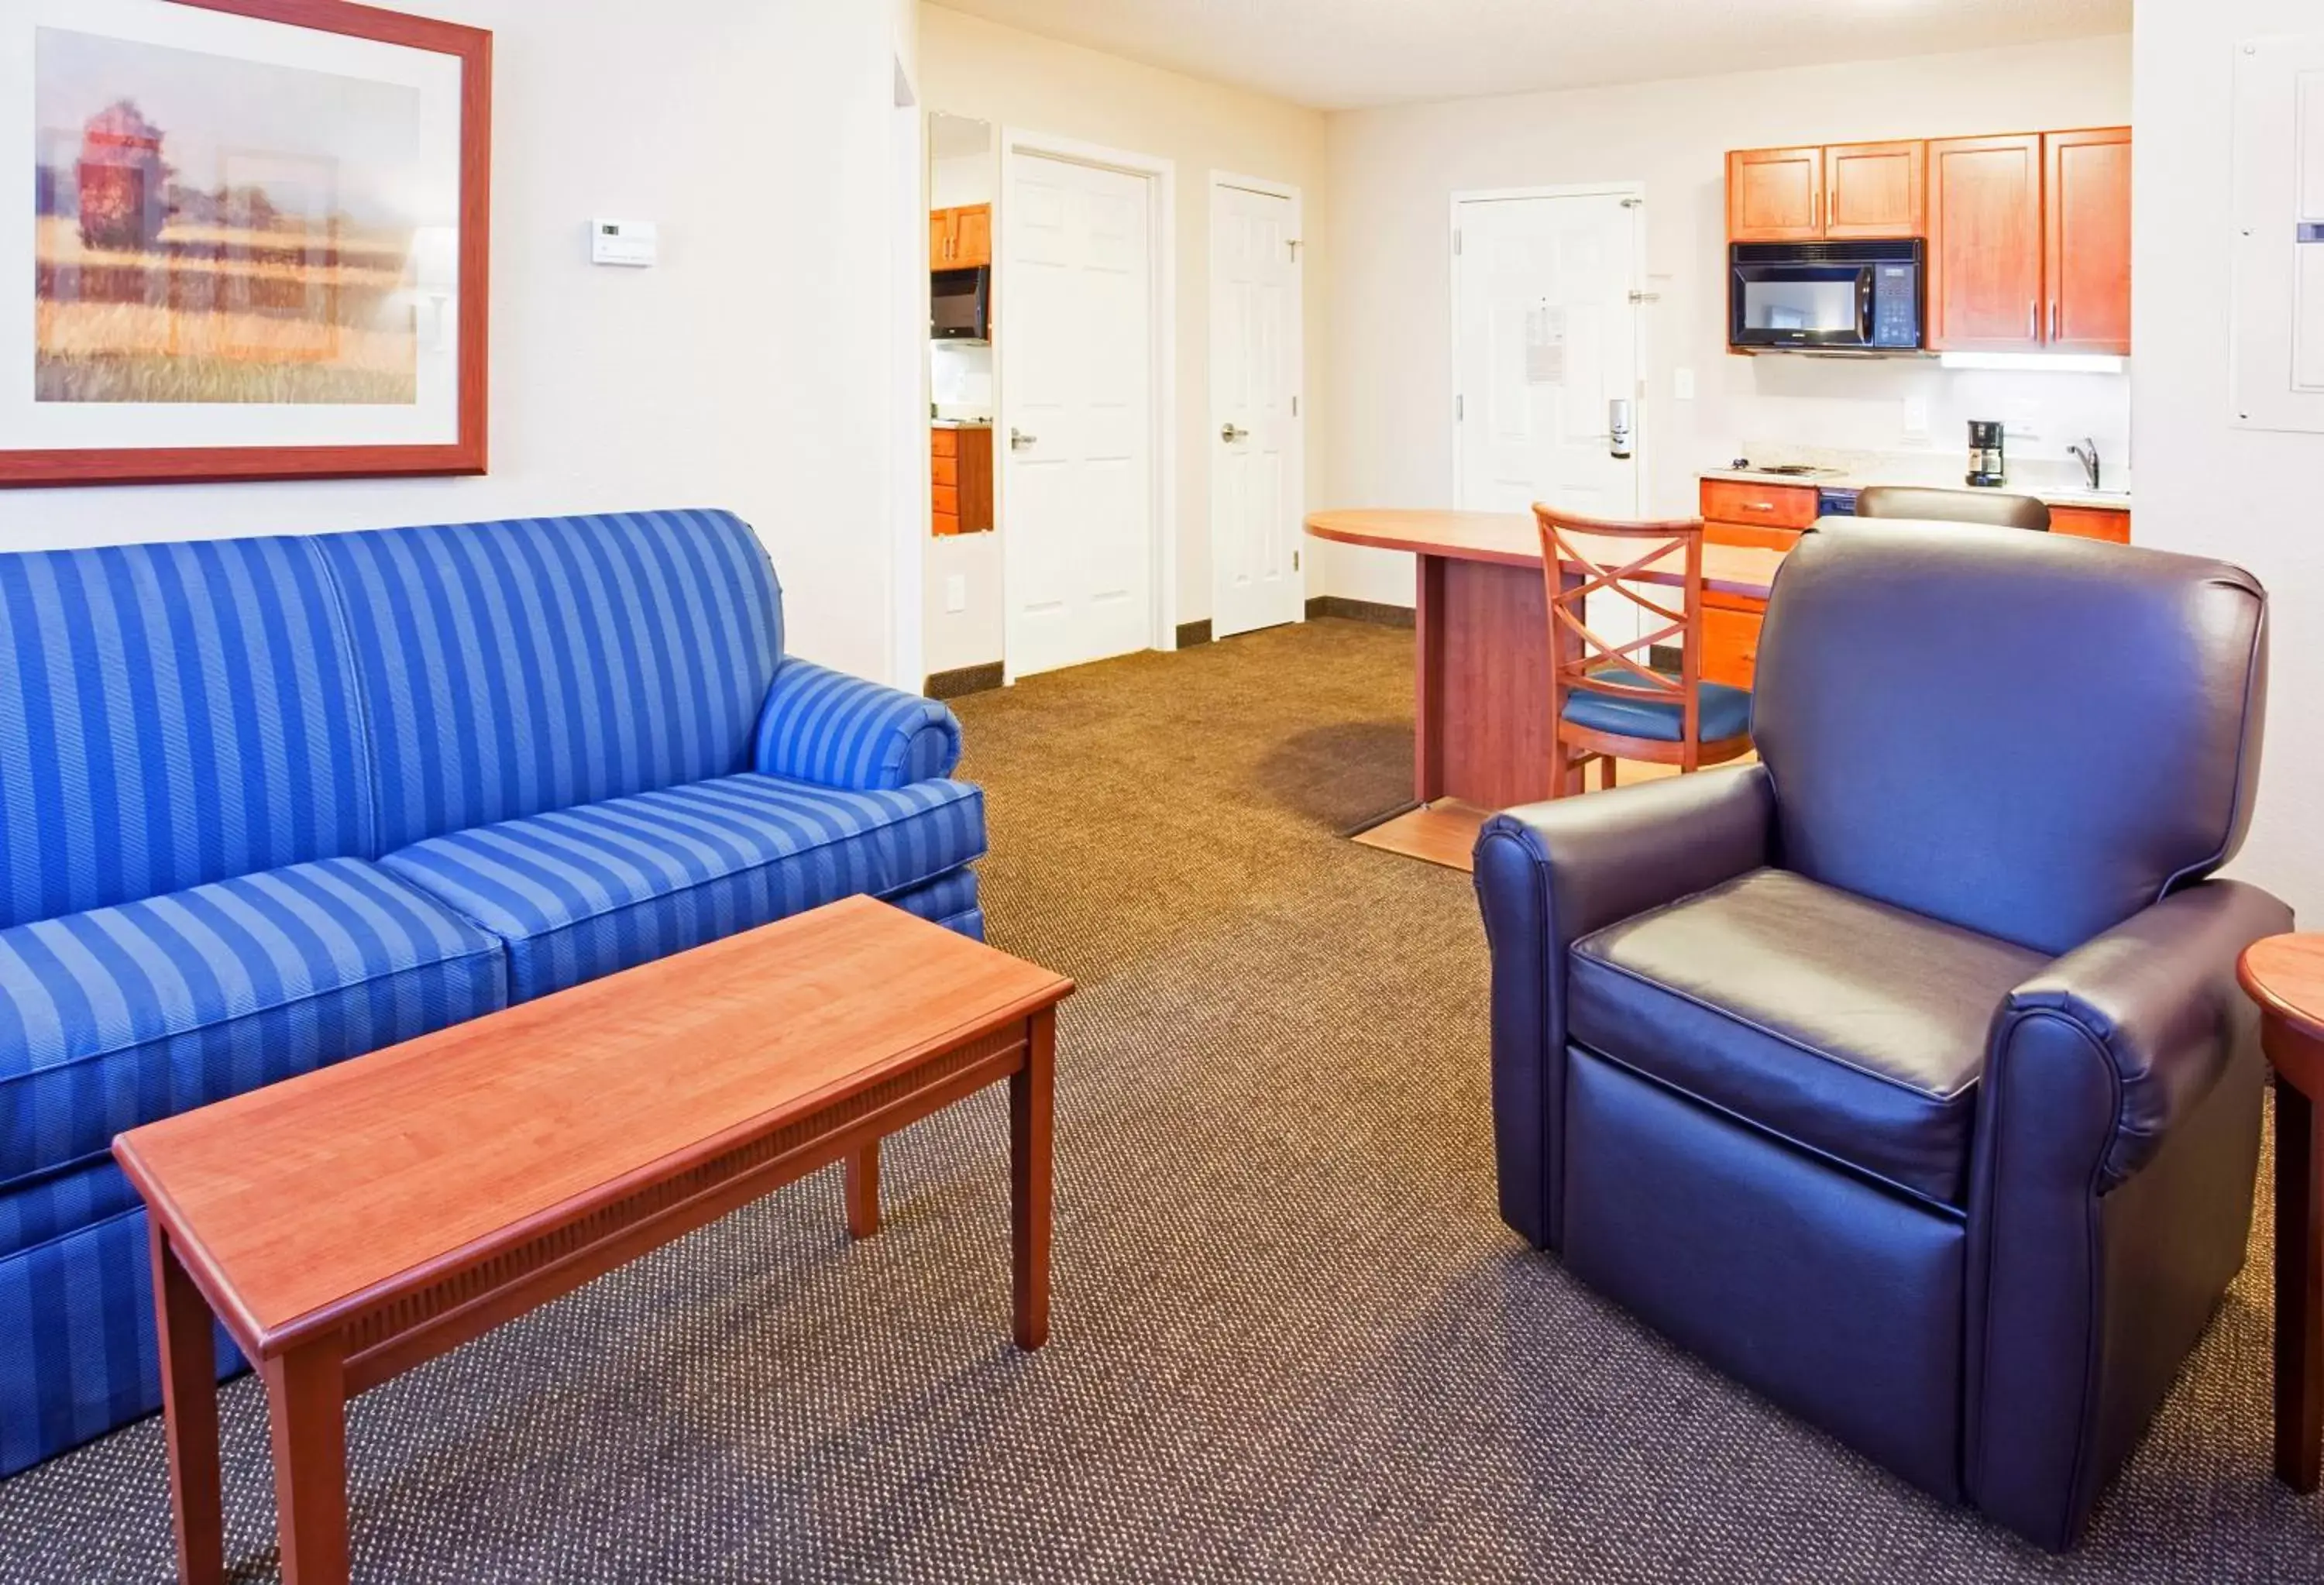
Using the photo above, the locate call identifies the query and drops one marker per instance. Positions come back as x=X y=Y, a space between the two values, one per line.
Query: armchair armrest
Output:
x=2118 y=1138
x=1548 y=875
x=837 y=731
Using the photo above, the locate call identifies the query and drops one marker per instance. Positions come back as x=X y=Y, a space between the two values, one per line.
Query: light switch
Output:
x=957 y=593
x=1916 y=418
x=634 y=244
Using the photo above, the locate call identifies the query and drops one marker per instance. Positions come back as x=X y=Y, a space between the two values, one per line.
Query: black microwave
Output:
x=1827 y=296
x=962 y=306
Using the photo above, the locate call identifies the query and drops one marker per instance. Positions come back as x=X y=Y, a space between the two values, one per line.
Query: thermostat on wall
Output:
x=636 y=244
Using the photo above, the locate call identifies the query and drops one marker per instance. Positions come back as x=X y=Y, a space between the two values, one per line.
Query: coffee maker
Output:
x=1988 y=468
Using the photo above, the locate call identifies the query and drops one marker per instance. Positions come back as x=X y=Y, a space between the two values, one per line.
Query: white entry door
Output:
x=1255 y=462
x=1077 y=414
x=1548 y=342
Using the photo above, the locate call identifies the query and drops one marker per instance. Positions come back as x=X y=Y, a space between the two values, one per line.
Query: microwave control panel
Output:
x=1895 y=306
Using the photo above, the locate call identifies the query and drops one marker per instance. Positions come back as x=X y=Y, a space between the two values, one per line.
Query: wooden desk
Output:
x=2285 y=976
x=351 y=1223
x=1483 y=725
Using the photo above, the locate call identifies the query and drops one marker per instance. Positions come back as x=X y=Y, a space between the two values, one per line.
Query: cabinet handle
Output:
x=2033 y=320
x=1815 y=211
x=2053 y=319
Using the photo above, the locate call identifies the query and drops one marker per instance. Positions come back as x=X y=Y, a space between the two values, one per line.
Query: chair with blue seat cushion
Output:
x=1611 y=703
x=581 y=892
x=1929 y=1110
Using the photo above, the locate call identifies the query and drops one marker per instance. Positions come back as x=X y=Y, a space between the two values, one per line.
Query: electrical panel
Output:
x=2278 y=313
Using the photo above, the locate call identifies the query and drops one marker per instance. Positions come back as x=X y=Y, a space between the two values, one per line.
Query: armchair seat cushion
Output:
x=1725 y=713
x=1851 y=1028
x=583 y=892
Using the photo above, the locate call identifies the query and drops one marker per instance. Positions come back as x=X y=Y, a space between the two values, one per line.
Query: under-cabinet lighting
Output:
x=2038 y=363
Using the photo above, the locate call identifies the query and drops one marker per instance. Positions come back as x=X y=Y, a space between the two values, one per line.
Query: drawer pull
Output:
x=1758 y=506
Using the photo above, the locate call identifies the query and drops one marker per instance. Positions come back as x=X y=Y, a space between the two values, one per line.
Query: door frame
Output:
x=1221 y=183
x=1642 y=429
x=1161 y=178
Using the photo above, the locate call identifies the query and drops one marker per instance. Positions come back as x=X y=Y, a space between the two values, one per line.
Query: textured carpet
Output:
x=1292 y=1340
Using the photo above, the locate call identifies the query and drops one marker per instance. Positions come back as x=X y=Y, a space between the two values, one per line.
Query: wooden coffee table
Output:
x=350 y=1224
x=2285 y=976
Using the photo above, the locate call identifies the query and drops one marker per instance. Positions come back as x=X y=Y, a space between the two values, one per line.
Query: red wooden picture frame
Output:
x=466 y=455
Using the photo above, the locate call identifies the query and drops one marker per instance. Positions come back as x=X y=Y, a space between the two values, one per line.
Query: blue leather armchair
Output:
x=1903 y=1076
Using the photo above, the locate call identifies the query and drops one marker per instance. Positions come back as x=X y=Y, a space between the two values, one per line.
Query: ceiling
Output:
x=1344 y=54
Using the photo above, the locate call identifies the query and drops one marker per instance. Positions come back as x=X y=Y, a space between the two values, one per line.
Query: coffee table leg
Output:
x=863 y=1191
x=1032 y=1093
x=189 y=1414
x=307 y=1406
x=2299 y=1288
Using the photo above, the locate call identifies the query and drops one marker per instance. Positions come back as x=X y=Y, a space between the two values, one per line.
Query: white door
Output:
x=1547 y=342
x=1255 y=464
x=1078 y=415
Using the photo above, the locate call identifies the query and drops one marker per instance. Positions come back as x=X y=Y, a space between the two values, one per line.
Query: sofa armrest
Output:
x=838 y=730
x=1548 y=874
x=2110 y=1195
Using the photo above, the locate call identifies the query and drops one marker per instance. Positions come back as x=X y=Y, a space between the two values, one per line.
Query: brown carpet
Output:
x=1293 y=1342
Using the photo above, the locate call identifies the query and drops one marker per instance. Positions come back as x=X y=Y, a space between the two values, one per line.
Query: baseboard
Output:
x=967 y=680
x=1371 y=611
x=1191 y=633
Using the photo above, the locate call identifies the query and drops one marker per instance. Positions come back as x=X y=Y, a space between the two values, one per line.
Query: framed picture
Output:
x=241 y=239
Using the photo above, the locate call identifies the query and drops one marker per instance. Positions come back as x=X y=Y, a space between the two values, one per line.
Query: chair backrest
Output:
x=1953 y=506
x=2029 y=735
x=513 y=668
x=170 y=715
x=1584 y=555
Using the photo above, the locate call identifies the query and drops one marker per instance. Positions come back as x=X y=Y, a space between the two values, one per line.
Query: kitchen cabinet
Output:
x=2086 y=239
x=960 y=480
x=1774 y=194
x=1730 y=640
x=1985 y=245
x=2111 y=524
x=1769 y=517
x=1846 y=192
x=1875 y=190
x=961 y=239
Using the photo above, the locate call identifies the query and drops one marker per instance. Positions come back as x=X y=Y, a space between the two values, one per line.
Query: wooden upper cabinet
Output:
x=2087 y=240
x=971 y=237
x=961 y=239
x=1874 y=191
x=1986 y=244
x=1774 y=194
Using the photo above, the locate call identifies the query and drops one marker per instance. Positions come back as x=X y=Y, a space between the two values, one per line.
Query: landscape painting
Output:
x=221 y=231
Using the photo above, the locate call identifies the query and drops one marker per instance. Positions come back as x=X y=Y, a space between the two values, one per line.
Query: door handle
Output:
x=1019 y=440
x=1231 y=434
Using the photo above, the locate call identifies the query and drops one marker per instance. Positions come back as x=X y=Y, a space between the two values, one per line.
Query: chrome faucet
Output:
x=2087 y=454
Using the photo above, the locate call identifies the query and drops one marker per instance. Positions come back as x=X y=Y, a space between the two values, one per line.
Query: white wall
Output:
x=748 y=370
x=1016 y=80
x=1387 y=356
x=2245 y=495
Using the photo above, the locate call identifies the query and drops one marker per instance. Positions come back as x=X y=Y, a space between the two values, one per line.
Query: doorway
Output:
x=1086 y=460
x=1546 y=357
x=1259 y=468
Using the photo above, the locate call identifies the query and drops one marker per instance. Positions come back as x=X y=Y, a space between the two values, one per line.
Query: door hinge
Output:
x=1294 y=561
x=1456 y=242
x=1295 y=407
x=1295 y=250
x=1460 y=409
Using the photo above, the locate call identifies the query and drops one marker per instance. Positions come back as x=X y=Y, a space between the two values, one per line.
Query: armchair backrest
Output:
x=2026 y=735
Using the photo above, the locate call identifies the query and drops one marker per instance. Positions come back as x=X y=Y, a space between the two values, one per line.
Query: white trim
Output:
x=1222 y=181
x=1161 y=177
x=913 y=507
x=1641 y=424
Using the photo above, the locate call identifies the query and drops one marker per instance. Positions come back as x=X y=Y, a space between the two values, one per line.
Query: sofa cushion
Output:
x=578 y=893
x=119 y=1015
x=1850 y=1027
x=513 y=668
x=44 y=1208
x=171 y=715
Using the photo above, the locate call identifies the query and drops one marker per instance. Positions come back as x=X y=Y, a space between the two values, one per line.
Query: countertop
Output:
x=960 y=423
x=2060 y=482
x=2101 y=500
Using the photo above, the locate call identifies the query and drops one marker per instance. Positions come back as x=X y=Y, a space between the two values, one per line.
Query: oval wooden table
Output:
x=2285 y=976
x=1482 y=725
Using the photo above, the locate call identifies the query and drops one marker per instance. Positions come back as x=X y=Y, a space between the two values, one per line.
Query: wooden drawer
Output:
x=946 y=524
x=1757 y=536
x=944 y=442
x=1730 y=645
x=2091 y=523
x=944 y=470
x=947 y=501
x=1765 y=506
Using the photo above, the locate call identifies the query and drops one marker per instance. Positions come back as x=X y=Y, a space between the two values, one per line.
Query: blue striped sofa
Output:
x=268 y=804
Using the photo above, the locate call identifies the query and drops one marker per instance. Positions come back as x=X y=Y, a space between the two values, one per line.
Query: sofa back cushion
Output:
x=513 y=668
x=171 y=715
x=2027 y=735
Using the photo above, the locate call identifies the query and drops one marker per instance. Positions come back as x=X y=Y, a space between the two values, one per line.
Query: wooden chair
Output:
x=1609 y=701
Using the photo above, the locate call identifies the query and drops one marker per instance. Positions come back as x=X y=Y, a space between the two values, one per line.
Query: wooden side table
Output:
x=2285 y=976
